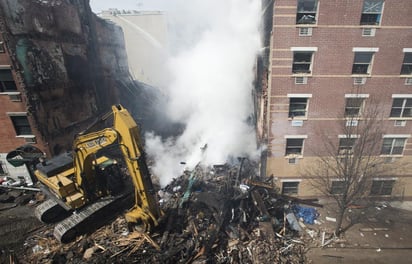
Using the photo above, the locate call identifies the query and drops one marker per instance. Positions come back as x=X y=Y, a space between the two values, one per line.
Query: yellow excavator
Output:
x=85 y=181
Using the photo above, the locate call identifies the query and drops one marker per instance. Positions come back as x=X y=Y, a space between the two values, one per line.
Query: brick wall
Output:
x=335 y=34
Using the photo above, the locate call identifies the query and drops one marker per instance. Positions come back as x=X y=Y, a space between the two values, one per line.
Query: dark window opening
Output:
x=302 y=61
x=297 y=107
x=21 y=125
x=290 y=187
x=383 y=187
x=306 y=11
x=346 y=146
x=338 y=187
x=7 y=83
x=371 y=12
x=407 y=64
x=2 y=50
x=393 y=146
x=401 y=107
x=294 y=146
x=353 y=106
x=362 y=62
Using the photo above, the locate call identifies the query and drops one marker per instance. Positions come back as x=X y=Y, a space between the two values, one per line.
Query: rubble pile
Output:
x=10 y=198
x=217 y=215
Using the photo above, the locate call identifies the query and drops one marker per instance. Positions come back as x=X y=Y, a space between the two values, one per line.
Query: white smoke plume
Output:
x=211 y=84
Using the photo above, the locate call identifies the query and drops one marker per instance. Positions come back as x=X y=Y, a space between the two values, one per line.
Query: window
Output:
x=15 y=97
x=371 y=12
x=302 y=61
x=2 y=50
x=401 y=107
x=353 y=106
x=337 y=187
x=393 y=146
x=382 y=187
x=407 y=64
x=298 y=107
x=294 y=146
x=306 y=11
x=6 y=81
x=290 y=187
x=21 y=125
x=362 y=63
x=346 y=146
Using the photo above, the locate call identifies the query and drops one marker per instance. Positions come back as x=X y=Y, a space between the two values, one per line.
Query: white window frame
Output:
x=297 y=96
x=18 y=114
x=3 y=89
x=297 y=182
x=406 y=51
x=405 y=98
x=394 y=137
x=298 y=12
x=358 y=50
x=296 y=50
x=379 y=14
x=360 y=108
x=382 y=181
x=295 y=155
x=341 y=150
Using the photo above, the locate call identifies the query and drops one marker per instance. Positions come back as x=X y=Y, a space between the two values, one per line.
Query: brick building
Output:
x=15 y=128
x=328 y=60
x=61 y=67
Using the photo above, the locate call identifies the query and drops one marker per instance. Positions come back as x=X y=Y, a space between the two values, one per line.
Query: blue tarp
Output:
x=308 y=214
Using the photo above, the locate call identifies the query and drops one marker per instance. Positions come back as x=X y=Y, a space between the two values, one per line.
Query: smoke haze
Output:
x=210 y=91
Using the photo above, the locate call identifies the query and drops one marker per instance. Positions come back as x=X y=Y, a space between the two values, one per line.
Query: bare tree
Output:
x=345 y=164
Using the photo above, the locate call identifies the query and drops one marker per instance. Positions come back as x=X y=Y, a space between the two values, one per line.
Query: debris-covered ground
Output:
x=222 y=214
x=213 y=215
x=16 y=220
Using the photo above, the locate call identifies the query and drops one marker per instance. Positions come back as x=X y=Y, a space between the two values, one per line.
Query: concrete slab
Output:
x=405 y=205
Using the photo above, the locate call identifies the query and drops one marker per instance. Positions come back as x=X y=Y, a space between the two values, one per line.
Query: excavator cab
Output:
x=109 y=178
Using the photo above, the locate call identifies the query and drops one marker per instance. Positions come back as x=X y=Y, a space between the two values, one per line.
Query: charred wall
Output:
x=261 y=85
x=68 y=63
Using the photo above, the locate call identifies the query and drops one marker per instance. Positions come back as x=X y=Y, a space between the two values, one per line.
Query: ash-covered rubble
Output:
x=220 y=214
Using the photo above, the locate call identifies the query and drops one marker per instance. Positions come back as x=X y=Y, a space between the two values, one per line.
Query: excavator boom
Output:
x=146 y=208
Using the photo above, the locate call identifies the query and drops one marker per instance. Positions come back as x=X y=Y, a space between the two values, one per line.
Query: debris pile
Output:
x=221 y=214
x=12 y=197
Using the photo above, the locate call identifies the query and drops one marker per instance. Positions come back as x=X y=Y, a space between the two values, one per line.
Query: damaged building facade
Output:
x=61 y=67
x=328 y=61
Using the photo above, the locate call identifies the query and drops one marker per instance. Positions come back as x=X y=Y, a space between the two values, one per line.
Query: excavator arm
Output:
x=146 y=209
